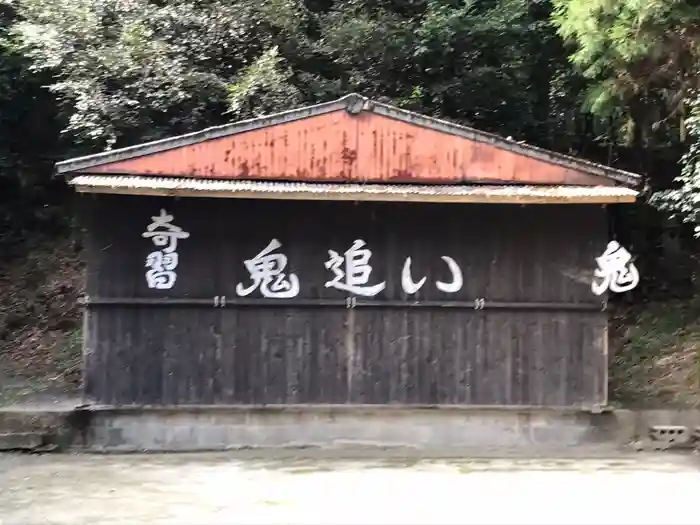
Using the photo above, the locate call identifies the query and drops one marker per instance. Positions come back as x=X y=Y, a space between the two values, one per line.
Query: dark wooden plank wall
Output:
x=279 y=351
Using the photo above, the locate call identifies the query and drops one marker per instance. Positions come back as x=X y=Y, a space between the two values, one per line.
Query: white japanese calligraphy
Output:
x=616 y=271
x=457 y=281
x=407 y=281
x=161 y=275
x=167 y=235
x=355 y=277
x=162 y=263
x=266 y=270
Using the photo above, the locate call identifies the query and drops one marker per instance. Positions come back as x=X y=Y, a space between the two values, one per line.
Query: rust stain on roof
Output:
x=350 y=140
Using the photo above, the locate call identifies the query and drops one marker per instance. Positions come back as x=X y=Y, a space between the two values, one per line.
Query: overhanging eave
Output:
x=511 y=194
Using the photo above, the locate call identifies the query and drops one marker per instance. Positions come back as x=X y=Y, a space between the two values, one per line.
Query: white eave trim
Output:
x=194 y=187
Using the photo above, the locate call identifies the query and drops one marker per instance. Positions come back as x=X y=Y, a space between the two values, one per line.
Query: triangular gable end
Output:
x=352 y=139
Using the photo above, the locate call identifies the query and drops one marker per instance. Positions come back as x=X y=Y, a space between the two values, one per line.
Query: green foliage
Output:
x=641 y=55
x=127 y=71
x=632 y=45
x=138 y=68
x=263 y=87
x=644 y=56
x=29 y=143
x=683 y=200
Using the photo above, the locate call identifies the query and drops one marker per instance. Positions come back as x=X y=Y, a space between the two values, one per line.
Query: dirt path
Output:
x=226 y=489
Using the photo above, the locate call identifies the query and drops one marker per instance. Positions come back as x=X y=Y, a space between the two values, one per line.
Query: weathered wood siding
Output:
x=540 y=340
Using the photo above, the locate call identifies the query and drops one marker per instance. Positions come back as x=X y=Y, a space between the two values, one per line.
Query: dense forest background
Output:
x=614 y=81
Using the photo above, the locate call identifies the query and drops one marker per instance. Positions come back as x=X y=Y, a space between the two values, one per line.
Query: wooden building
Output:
x=345 y=253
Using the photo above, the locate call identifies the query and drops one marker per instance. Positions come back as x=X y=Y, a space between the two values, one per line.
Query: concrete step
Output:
x=40 y=430
x=21 y=441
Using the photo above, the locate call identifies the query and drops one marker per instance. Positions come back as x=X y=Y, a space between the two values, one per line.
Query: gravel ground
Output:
x=232 y=488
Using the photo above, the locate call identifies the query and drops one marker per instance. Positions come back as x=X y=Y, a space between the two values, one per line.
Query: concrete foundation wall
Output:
x=328 y=427
x=340 y=429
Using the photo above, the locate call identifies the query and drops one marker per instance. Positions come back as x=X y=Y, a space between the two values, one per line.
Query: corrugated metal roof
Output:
x=178 y=186
x=354 y=104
